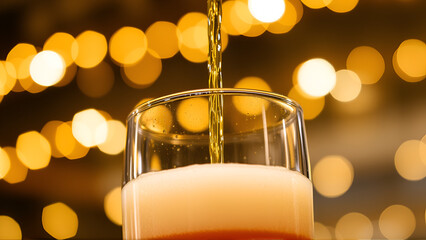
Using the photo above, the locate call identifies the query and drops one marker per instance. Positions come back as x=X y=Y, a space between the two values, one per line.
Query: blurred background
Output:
x=72 y=70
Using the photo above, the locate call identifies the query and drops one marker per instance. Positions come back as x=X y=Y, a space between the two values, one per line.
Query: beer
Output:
x=218 y=201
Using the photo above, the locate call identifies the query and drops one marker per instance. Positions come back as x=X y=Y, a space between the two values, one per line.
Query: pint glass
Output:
x=260 y=190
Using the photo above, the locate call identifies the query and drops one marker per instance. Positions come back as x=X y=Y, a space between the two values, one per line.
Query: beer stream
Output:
x=214 y=64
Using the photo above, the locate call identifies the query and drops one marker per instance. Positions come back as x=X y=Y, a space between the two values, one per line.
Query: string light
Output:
x=17 y=172
x=354 y=225
x=47 y=68
x=60 y=221
x=316 y=77
x=266 y=10
x=33 y=150
x=112 y=206
x=162 y=39
x=128 y=45
x=96 y=82
x=89 y=127
x=397 y=222
x=332 y=176
x=9 y=228
x=4 y=163
x=367 y=63
x=92 y=48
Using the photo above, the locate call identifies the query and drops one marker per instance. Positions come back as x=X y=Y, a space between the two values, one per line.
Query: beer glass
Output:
x=260 y=190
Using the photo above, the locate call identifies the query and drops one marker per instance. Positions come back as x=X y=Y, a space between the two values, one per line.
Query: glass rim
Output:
x=211 y=91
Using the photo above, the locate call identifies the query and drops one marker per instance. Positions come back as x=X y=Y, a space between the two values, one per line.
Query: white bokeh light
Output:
x=267 y=10
x=316 y=77
x=47 y=68
x=89 y=127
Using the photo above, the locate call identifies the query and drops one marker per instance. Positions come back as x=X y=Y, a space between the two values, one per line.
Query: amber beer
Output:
x=218 y=201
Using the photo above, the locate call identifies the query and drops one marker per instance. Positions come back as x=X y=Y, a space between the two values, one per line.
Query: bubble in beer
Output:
x=333 y=176
x=193 y=114
x=397 y=222
x=251 y=105
x=9 y=228
x=59 y=220
x=354 y=225
x=112 y=205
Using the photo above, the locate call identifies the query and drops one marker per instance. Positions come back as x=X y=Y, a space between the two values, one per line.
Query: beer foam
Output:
x=217 y=197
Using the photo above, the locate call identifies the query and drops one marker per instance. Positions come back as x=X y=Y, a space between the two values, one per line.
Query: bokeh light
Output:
x=397 y=222
x=116 y=138
x=316 y=4
x=251 y=105
x=4 y=163
x=47 y=68
x=286 y=22
x=162 y=38
x=408 y=162
x=312 y=107
x=112 y=206
x=266 y=10
x=70 y=73
x=89 y=127
x=20 y=56
x=143 y=73
x=410 y=62
x=33 y=150
x=348 y=86
x=60 y=221
x=367 y=63
x=193 y=40
x=49 y=132
x=321 y=232
x=7 y=82
x=157 y=119
x=342 y=6
x=67 y=145
x=62 y=43
x=235 y=17
x=17 y=172
x=316 y=77
x=422 y=149
x=193 y=114
x=333 y=176
x=95 y=82
x=30 y=86
x=354 y=225
x=128 y=45
x=92 y=48
x=9 y=228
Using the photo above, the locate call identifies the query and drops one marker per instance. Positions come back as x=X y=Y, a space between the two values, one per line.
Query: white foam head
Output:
x=217 y=197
